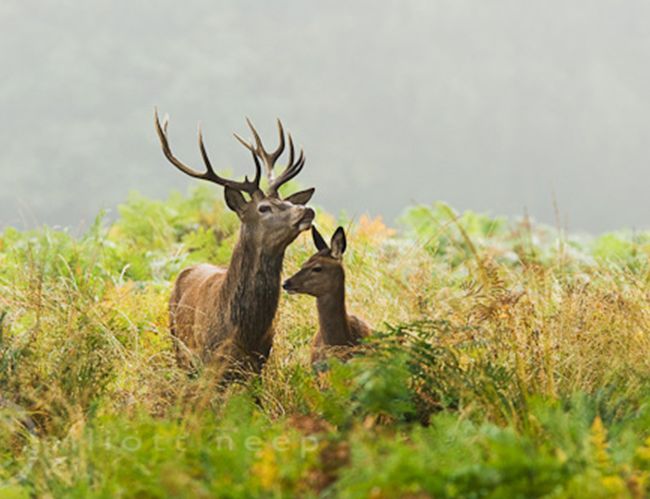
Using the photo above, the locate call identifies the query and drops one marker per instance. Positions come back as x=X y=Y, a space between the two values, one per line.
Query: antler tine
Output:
x=278 y=151
x=164 y=142
x=258 y=171
x=269 y=158
x=246 y=185
x=258 y=141
x=291 y=150
x=204 y=154
x=209 y=174
x=243 y=142
x=290 y=171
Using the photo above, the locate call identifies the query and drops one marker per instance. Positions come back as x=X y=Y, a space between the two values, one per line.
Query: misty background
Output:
x=499 y=106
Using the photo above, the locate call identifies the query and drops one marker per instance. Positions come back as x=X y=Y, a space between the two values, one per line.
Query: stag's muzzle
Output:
x=306 y=220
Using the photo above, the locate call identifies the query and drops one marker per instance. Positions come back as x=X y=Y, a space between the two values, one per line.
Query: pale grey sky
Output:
x=491 y=105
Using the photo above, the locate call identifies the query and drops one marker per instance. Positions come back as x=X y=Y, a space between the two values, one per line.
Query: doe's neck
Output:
x=333 y=316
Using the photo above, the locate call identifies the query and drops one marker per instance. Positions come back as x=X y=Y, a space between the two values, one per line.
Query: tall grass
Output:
x=509 y=360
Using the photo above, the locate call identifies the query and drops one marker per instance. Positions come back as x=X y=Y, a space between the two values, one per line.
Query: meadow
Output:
x=509 y=359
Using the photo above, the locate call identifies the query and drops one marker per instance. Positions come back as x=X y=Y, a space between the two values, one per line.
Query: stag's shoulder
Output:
x=196 y=274
x=193 y=280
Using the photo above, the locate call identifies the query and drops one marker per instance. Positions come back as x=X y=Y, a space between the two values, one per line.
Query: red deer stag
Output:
x=323 y=276
x=226 y=315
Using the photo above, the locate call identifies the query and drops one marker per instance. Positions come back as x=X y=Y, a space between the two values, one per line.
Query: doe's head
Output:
x=323 y=273
x=272 y=221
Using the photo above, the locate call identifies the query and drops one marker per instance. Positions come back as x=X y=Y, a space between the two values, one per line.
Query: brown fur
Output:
x=323 y=276
x=338 y=330
x=225 y=316
x=218 y=313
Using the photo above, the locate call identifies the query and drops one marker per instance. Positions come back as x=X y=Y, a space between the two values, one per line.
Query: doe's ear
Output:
x=235 y=200
x=338 y=243
x=319 y=242
x=301 y=197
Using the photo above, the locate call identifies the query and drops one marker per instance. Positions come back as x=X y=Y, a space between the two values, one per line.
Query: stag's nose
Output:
x=309 y=215
x=306 y=219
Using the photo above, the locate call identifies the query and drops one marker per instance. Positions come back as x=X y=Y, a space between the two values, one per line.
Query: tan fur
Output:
x=320 y=350
x=219 y=314
x=323 y=277
x=225 y=316
x=188 y=322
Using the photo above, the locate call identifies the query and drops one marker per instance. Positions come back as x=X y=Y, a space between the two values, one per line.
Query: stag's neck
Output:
x=252 y=288
x=333 y=317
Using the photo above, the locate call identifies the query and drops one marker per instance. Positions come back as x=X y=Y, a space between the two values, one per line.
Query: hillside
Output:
x=509 y=360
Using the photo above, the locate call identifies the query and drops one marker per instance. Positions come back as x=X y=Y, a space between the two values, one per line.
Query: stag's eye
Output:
x=264 y=208
x=317 y=269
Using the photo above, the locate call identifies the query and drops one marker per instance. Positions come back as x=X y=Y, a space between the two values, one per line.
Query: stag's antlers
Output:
x=270 y=158
x=250 y=187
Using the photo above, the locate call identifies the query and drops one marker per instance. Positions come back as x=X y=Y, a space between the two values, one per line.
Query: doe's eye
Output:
x=317 y=269
x=265 y=208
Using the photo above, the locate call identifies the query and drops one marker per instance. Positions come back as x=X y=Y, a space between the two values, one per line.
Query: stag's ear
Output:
x=301 y=197
x=319 y=242
x=235 y=200
x=338 y=243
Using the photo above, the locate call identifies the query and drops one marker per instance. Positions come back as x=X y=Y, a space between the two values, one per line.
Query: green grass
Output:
x=509 y=360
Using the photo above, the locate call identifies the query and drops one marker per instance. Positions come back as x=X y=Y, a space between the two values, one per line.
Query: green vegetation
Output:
x=510 y=360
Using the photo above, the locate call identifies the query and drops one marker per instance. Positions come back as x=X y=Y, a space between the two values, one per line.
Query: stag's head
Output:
x=273 y=221
x=323 y=272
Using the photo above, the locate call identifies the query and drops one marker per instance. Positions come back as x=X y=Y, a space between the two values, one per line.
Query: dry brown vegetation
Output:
x=508 y=360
